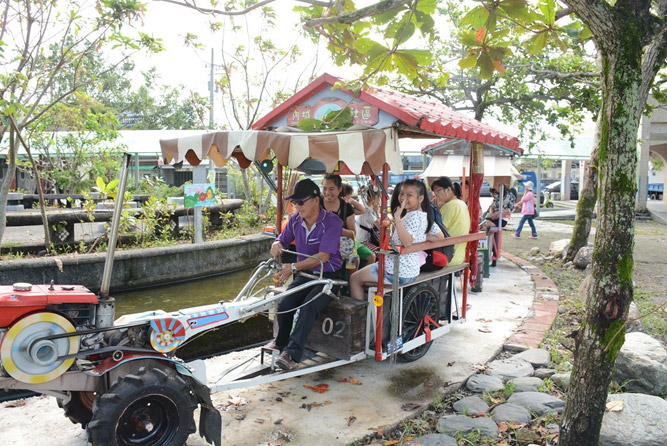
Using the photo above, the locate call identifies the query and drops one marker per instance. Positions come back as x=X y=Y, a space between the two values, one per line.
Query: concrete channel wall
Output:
x=141 y=267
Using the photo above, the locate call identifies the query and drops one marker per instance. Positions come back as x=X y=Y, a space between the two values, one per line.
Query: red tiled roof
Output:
x=416 y=113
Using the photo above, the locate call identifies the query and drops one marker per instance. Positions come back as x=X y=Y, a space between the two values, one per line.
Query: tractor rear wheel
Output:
x=152 y=408
x=79 y=409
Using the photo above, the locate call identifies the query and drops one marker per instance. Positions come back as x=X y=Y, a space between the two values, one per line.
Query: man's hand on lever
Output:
x=284 y=273
x=276 y=250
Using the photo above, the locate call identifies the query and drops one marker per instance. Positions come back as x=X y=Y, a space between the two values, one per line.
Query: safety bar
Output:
x=328 y=285
x=270 y=264
x=309 y=256
x=446 y=242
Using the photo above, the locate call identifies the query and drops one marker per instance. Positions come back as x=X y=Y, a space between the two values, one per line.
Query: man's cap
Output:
x=304 y=189
x=528 y=185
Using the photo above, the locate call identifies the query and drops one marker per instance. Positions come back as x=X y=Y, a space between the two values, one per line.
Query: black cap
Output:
x=305 y=189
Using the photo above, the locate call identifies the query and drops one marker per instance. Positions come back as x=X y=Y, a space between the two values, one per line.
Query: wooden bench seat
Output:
x=424 y=277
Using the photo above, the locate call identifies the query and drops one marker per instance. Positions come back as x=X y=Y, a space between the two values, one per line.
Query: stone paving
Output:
x=545 y=307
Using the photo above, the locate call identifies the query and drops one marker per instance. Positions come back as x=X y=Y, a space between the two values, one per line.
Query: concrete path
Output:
x=658 y=210
x=388 y=393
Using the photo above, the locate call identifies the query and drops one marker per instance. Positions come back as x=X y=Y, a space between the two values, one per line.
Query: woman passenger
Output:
x=332 y=186
x=455 y=215
x=412 y=222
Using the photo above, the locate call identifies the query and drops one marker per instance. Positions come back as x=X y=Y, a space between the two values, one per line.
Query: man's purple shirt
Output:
x=324 y=237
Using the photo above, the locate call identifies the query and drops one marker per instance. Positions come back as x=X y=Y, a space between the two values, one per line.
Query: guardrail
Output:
x=62 y=221
x=28 y=201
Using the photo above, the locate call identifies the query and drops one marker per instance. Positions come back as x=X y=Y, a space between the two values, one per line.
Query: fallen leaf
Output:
x=449 y=364
x=354 y=380
x=479 y=367
x=342 y=380
x=351 y=420
x=278 y=421
x=502 y=426
x=325 y=403
x=320 y=388
x=410 y=406
x=237 y=401
x=484 y=330
x=483 y=320
x=18 y=403
x=513 y=303
x=614 y=406
x=259 y=421
x=379 y=431
x=516 y=425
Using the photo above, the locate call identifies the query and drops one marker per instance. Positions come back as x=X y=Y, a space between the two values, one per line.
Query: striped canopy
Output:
x=354 y=148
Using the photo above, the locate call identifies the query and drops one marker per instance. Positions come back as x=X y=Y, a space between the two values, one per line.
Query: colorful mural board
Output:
x=199 y=195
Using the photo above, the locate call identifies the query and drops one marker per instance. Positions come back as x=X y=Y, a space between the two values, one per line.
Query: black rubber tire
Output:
x=421 y=300
x=152 y=408
x=79 y=410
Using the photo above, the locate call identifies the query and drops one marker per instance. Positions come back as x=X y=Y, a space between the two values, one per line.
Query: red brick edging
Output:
x=545 y=307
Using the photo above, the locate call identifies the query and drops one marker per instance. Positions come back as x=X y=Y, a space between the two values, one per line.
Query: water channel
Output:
x=177 y=296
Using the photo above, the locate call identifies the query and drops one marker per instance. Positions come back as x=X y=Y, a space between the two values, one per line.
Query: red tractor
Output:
x=61 y=340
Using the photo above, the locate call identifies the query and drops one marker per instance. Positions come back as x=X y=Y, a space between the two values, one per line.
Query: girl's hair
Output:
x=426 y=202
x=445 y=182
x=346 y=190
x=335 y=178
x=368 y=192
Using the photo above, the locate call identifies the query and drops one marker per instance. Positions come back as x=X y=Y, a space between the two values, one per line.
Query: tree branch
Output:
x=192 y=4
x=562 y=76
x=351 y=17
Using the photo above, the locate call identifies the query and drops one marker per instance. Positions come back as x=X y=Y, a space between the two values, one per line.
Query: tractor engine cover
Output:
x=21 y=298
x=29 y=314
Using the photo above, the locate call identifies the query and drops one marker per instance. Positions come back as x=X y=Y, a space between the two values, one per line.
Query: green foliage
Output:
x=13 y=255
x=51 y=42
x=414 y=428
x=520 y=89
x=332 y=121
x=158 y=189
x=105 y=189
x=474 y=438
x=654 y=318
x=657 y=161
x=437 y=403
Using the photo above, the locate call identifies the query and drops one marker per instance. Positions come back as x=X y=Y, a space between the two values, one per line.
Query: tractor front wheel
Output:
x=152 y=408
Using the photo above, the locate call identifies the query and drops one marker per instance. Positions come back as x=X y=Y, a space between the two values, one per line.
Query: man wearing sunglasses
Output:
x=316 y=232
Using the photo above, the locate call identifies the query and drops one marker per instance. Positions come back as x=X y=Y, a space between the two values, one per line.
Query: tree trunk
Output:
x=7 y=182
x=40 y=190
x=602 y=333
x=246 y=185
x=587 y=200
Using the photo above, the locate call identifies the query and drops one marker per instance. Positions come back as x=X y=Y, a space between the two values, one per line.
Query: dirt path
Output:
x=650 y=267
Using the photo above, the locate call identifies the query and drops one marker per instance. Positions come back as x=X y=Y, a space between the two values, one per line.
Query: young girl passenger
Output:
x=409 y=207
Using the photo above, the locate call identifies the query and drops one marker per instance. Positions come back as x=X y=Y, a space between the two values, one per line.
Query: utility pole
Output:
x=211 y=95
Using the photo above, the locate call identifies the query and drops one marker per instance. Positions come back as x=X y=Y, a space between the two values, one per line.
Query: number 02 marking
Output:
x=328 y=327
